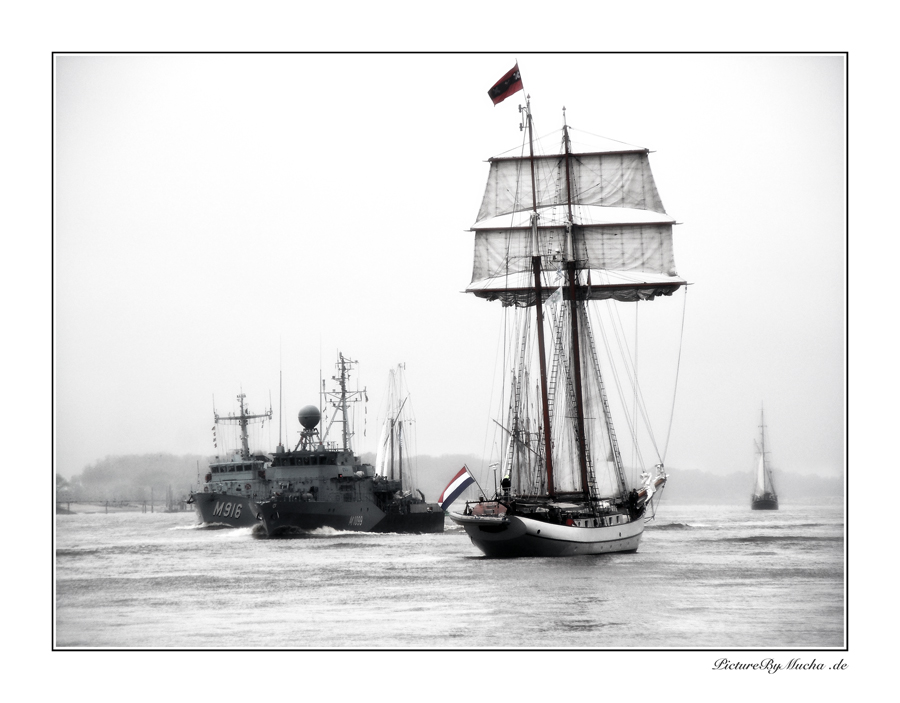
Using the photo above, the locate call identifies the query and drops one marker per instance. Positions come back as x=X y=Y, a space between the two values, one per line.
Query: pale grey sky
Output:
x=221 y=217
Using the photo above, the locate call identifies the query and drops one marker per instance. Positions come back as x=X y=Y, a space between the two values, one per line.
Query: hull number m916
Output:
x=232 y=510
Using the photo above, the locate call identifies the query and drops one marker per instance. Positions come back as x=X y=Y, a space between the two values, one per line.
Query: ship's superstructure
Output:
x=324 y=484
x=223 y=499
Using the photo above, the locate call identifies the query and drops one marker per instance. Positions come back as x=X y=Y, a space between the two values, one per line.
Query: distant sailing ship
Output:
x=393 y=458
x=230 y=485
x=764 y=495
x=554 y=233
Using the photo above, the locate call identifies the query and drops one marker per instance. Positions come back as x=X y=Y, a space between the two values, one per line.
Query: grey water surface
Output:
x=705 y=577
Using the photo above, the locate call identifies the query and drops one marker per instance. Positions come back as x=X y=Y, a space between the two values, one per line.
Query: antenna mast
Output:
x=243 y=420
x=344 y=397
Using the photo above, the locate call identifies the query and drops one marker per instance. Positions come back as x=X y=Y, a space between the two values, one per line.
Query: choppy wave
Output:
x=673 y=526
x=318 y=533
x=585 y=626
x=215 y=526
x=759 y=539
x=138 y=549
x=75 y=552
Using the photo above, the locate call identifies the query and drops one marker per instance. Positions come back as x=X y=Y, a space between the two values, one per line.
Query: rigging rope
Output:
x=502 y=340
x=619 y=330
x=677 y=368
x=501 y=351
x=634 y=438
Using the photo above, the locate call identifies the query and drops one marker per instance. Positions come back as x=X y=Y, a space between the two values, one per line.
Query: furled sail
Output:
x=761 y=487
x=382 y=452
x=390 y=451
x=621 y=234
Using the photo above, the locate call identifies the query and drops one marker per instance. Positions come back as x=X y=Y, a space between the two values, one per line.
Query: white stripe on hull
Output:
x=517 y=536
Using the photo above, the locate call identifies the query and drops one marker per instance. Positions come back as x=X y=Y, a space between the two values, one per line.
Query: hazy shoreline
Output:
x=132 y=481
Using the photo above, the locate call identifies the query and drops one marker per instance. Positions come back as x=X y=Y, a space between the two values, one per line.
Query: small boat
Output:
x=230 y=485
x=324 y=484
x=764 y=495
x=557 y=235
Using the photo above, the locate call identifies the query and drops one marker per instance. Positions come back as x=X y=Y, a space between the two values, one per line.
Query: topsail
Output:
x=621 y=234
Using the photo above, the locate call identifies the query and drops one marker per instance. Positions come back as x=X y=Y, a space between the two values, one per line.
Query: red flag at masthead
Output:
x=506 y=86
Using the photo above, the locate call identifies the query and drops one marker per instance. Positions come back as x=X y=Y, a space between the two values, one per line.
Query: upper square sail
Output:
x=621 y=235
x=609 y=179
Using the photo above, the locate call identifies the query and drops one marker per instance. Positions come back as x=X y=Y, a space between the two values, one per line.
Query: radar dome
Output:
x=309 y=416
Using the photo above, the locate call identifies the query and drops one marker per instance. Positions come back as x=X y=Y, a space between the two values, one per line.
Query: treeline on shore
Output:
x=134 y=477
x=142 y=477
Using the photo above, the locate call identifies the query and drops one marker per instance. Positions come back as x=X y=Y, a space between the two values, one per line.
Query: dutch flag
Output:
x=457 y=485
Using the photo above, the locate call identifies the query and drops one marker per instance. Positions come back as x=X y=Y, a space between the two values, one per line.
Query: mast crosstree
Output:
x=341 y=400
x=243 y=419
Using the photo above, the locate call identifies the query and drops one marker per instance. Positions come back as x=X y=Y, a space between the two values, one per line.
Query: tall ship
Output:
x=224 y=498
x=764 y=495
x=323 y=483
x=393 y=457
x=559 y=239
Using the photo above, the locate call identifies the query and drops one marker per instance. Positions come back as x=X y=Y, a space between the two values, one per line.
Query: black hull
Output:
x=764 y=504
x=287 y=517
x=414 y=523
x=514 y=536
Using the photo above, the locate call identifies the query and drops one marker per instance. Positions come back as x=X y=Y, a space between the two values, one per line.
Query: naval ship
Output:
x=230 y=485
x=325 y=484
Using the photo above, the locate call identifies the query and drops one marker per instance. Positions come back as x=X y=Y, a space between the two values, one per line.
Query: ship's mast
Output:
x=392 y=450
x=243 y=420
x=280 y=411
x=769 y=484
x=400 y=440
x=539 y=302
x=395 y=421
x=345 y=430
x=762 y=434
x=573 y=308
x=341 y=404
x=400 y=456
